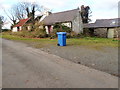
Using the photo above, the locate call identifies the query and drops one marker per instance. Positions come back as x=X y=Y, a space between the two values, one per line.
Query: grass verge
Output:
x=86 y=41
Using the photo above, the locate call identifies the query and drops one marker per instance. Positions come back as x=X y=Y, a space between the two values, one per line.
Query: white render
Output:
x=14 y=29
x=46 y=29
x=20 y=28
x=29 y=28
x=67 y=24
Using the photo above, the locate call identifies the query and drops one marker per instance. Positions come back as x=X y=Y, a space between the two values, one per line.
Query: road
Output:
x=103 y=59
x=27 y=67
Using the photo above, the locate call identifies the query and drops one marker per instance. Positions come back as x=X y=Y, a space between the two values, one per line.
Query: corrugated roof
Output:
x=65 y=16
x=21 y=22
x=101 y=23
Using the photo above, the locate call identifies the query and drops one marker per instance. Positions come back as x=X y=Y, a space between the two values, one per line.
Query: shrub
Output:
x=59 y=28
x=5 y=30
x=40 y=33
x=73 y=34
x=34 y=31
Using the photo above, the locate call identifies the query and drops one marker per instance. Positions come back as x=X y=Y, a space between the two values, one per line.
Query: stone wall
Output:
x=88 y=32
x=100 y=32
x=103 y=32
x=117 y=32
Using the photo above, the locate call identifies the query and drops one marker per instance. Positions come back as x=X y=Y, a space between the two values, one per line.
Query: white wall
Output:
x=29 y=28
x=46 y=29
x=67 y=24
x=20 y=28
x=14 y=29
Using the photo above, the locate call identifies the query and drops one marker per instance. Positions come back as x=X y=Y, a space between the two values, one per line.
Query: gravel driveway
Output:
x=104 y=59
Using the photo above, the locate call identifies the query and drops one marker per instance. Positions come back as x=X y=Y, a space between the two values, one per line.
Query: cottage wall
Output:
x=68 y=24
x=77 y=25
x=29 y=28
x=14 y=29
x=20 y=28
x=46 y=28
x=100 y=32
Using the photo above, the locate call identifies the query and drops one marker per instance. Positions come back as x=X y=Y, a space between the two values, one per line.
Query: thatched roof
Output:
x=65 y=16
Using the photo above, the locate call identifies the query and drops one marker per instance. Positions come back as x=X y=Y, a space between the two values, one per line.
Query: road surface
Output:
x=27 y=67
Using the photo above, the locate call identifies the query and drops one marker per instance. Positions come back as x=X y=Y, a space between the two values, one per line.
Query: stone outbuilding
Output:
x=107 y=28
x=70 y=18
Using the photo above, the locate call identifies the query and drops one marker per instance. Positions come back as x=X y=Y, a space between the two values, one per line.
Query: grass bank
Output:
x=43 y=42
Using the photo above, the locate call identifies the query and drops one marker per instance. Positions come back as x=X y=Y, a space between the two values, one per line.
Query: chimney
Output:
x=48 y=13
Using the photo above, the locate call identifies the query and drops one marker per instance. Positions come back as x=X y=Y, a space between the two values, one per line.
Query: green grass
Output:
x=86 y=41
x=0 y=35
x=38 y=43
x=90 y=41
x=94 y=43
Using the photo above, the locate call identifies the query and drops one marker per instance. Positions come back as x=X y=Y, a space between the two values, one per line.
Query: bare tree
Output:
x=19 y=12
x=27 y=9
x=23 y=10
x=2 y=20
x=11 y=15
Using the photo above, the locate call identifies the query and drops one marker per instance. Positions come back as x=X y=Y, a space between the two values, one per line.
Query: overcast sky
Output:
x=101 y=9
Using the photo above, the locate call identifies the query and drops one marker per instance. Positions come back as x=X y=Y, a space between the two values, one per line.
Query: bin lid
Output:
x=61 y=32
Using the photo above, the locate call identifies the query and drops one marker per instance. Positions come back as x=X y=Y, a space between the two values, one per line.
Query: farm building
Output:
x=19 y=26
x=70 y=18
x=107 y=28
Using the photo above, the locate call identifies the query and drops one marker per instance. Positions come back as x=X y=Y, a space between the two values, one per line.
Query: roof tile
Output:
x=21 y=22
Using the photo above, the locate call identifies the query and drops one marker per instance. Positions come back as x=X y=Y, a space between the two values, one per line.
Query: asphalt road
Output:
x=0 y=63
x=103 y=59
x=26 y=67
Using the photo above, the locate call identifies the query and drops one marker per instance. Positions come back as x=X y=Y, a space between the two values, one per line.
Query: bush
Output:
x=73 y=34
x=34 y=31
x=5 y=30
x=40 y=33
x=62 y=28
x=31 y=34
x=59 y=28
